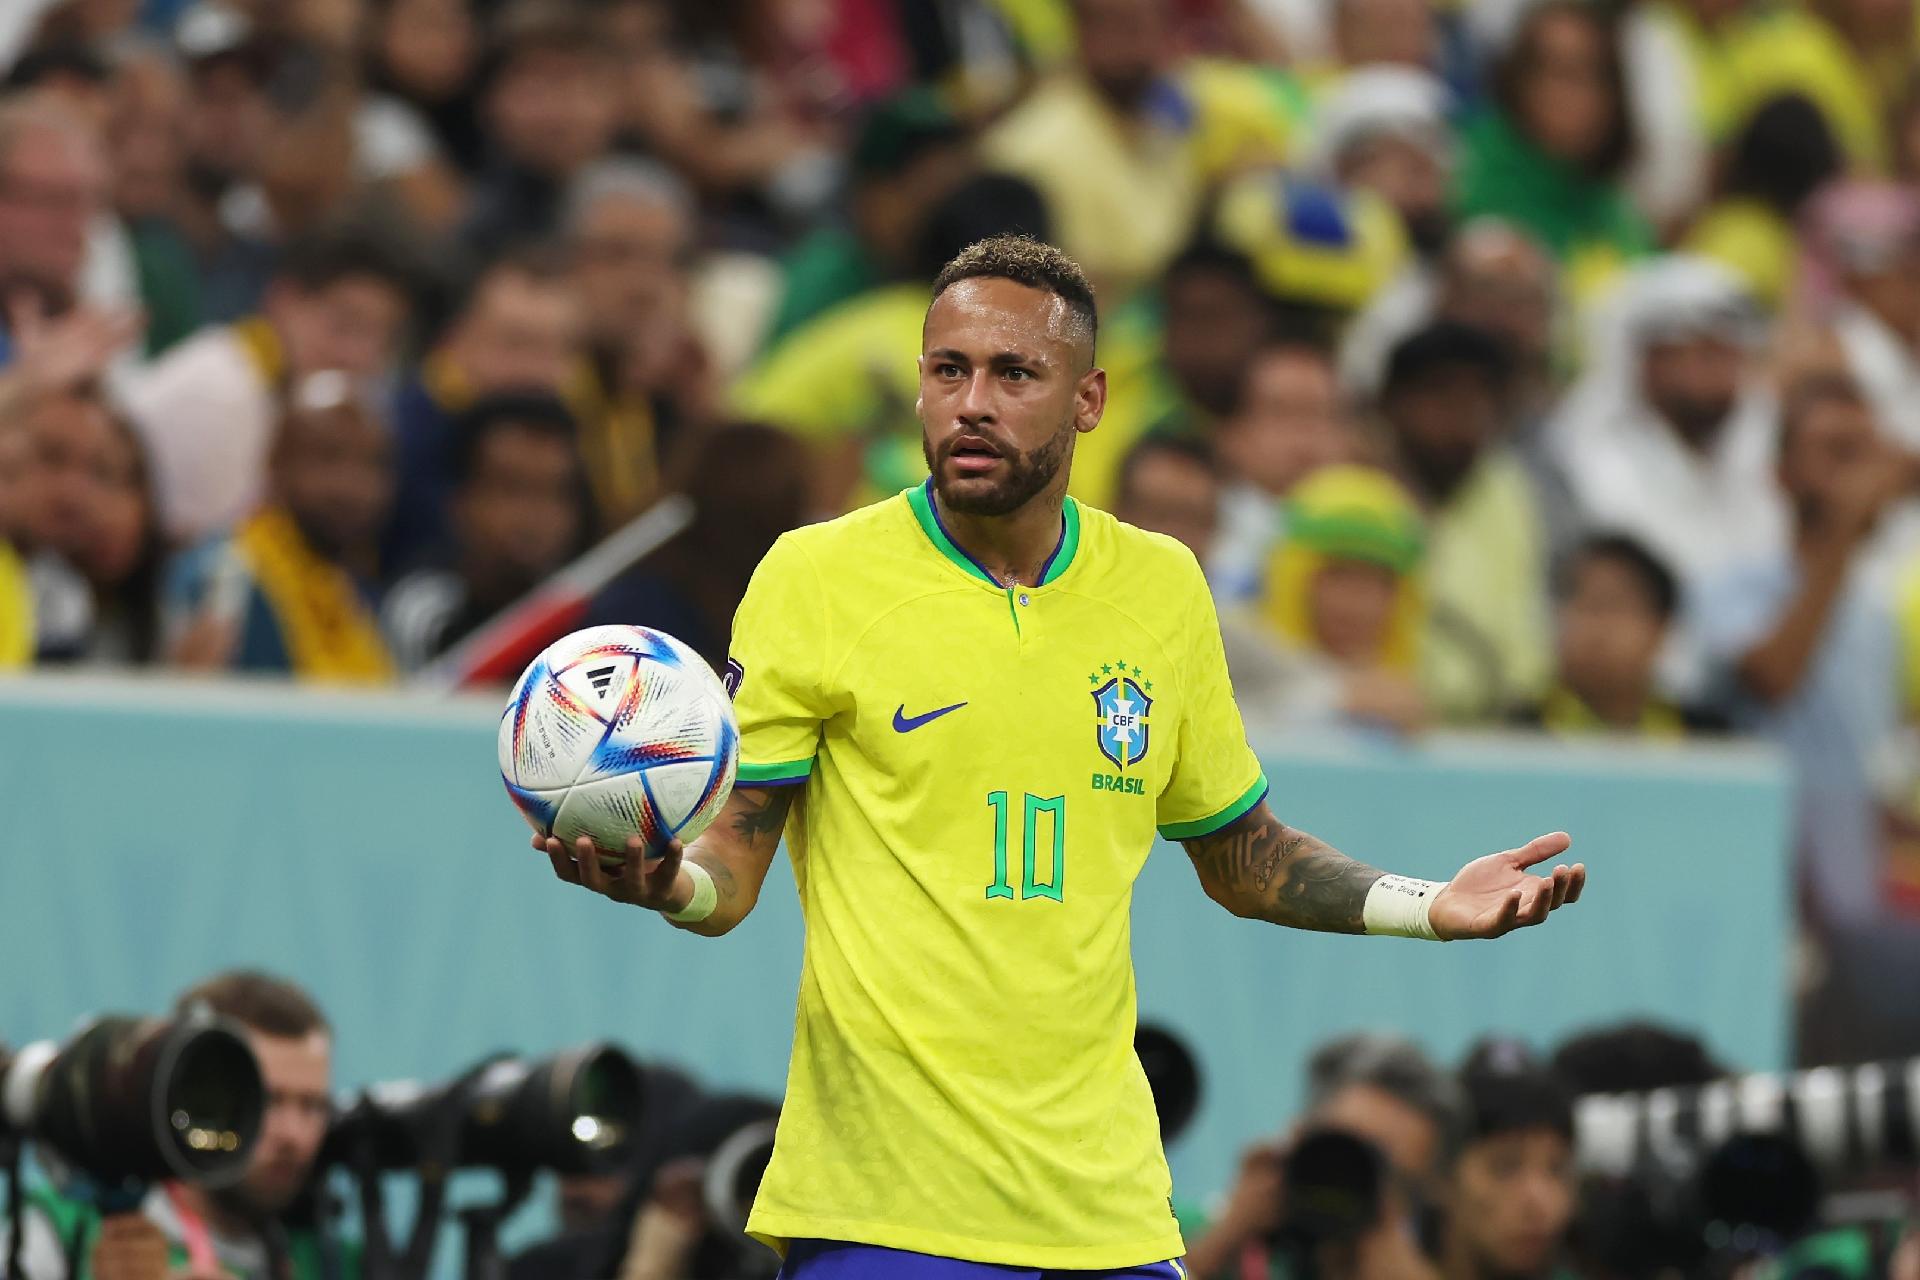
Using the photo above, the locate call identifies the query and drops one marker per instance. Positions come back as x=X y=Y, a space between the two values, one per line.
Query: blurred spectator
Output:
x=1495 y=277
x=1491 y=276
x=517 y=512
x=551 y=106
x=1182 y=373
x=1862 y=256
x=290 y=591
x=1617 y=602
x=1444 y=405
x=426 y=53
x=520 y=328
x=1805 y=639
x=1671 y=436
x=650 y=389
x=98 y=551
x=749 y=484
x=1780 y=159
x=1145 y=133
x=847 y=383
x=1384 y=129
x=1344 y=601
x=909 y=154
x=53 y=186
x=1510 y=1191
x=64 y=486
x=1290 y=419
x=146 y=137
x=1170 y=484
x=1376 y=1087
x=1550 y=154
x=207 y=408
x=229 y=122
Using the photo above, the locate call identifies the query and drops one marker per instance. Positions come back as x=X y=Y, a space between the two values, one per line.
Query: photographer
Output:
x=667 y=1226
x=185 y=1232
x=1510 y=1193
x=1379 y=1089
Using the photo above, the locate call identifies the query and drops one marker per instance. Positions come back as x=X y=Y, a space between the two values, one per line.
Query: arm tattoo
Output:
x=1258 y=868
x=763 y=812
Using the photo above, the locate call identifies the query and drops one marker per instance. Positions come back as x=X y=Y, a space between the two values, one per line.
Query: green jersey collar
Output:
x=920 y=498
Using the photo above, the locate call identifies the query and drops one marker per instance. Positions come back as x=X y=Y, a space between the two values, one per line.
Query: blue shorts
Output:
x=835 y=1260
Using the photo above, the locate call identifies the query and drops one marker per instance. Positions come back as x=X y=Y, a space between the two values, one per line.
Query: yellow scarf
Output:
x=16 y=611
x=329 y=632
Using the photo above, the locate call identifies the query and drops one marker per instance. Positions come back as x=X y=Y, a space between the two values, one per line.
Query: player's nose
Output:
x=976 y=399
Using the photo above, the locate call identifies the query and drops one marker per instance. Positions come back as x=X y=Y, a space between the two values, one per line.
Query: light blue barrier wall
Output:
x=364 y=846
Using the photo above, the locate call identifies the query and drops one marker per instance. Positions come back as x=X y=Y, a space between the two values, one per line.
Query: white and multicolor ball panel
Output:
x=617 y=731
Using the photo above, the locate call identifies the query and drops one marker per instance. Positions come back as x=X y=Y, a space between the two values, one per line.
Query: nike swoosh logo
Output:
x=903 y=723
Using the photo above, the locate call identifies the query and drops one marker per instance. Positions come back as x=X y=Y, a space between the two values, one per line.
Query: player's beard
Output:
x=1027 y=476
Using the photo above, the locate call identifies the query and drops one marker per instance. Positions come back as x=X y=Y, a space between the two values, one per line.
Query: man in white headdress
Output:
x=1670 y=436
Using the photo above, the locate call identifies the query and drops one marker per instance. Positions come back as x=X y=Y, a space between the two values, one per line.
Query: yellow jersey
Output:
x=983 y=769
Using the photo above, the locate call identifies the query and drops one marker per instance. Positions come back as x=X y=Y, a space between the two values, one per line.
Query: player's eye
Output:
x=948 y=370
x=1015 y=373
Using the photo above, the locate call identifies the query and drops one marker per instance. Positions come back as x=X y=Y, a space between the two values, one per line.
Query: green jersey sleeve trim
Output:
x=1252 y=796
x=775 y=773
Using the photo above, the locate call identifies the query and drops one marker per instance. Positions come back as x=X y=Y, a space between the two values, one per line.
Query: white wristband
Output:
x=705 y=897
x=1398 y=907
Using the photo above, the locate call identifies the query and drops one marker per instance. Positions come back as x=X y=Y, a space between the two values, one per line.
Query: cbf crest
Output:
x=1122 y=701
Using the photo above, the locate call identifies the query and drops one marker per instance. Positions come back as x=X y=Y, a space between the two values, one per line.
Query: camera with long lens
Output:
x=129 y=1100
x=574 y=1112
x=1699 y=1177
x=577 y=1111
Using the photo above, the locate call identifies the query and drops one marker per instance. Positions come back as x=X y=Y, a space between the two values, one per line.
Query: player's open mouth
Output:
x=973 y=454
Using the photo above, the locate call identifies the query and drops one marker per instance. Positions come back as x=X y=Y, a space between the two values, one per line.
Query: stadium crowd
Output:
x=1519 y=362
x=1515 y=362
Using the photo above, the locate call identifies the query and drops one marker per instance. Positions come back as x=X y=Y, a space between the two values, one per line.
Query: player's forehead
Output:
x=989 y=316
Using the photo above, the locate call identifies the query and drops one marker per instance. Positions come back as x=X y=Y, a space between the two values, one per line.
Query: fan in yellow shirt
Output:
x=970 y=707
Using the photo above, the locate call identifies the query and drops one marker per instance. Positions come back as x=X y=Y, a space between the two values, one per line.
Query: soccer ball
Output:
x=617 y=731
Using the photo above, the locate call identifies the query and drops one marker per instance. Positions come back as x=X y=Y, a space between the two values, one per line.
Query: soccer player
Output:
x=969 y=707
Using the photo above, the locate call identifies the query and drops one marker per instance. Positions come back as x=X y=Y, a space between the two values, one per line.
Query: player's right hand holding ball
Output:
x=646 y=881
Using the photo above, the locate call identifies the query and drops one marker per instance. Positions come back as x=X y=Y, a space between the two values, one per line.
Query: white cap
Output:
x=1688 y=296
x=1382 y=100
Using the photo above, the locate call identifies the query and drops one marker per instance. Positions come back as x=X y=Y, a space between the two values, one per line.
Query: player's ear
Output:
x=1089 y=399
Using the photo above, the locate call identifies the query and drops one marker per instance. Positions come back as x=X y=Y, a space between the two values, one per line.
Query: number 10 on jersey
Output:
x=1032 y=810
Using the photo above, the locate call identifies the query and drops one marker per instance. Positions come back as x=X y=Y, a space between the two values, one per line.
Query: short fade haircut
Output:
x=258 y=1001
x=1656 y=579
x=1033 y=263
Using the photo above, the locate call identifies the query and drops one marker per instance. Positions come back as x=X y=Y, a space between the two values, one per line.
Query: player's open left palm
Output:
x=1497 y=894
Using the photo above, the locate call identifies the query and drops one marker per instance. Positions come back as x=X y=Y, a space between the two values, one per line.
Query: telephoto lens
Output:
x=574 y=1112
x=131 y=1099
